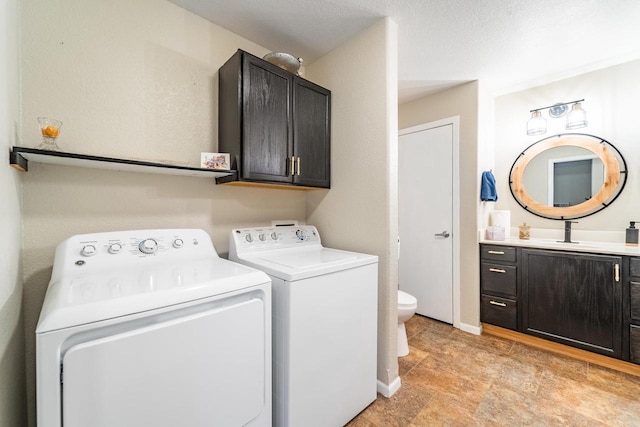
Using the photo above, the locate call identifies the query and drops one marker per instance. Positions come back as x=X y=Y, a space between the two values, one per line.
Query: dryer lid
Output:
x=82 y=299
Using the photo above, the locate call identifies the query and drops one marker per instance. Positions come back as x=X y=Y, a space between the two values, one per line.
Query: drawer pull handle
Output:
x=496 y=252
x=616 y=268
x=497 y=270
x=501 y=304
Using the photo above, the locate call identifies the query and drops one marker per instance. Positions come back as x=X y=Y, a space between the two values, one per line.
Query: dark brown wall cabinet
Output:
x=588 y=301
x=274 y=124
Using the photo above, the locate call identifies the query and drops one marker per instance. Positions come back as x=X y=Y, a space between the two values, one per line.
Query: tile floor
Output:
x=452 y=378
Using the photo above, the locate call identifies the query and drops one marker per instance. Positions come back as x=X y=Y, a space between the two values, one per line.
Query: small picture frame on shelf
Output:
x=217 y=161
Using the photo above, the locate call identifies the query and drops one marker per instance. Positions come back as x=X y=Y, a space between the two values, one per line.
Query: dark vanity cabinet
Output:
x=274 y=124
x=573 y=299
x=584 y=300
x=498 y=278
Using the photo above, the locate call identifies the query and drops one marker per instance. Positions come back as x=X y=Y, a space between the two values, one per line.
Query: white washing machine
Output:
x=152 y=328
x=324 y=323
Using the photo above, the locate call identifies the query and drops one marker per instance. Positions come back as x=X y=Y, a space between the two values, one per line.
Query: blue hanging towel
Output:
x=488 y=191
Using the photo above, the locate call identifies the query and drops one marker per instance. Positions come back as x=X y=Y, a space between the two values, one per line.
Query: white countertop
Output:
x=581 y=246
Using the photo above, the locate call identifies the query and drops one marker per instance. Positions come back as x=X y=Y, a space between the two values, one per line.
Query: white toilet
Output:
x=407 y=305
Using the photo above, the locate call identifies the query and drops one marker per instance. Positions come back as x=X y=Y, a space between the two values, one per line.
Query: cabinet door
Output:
x=266 y=121
x=574 y=299
x=311 y=130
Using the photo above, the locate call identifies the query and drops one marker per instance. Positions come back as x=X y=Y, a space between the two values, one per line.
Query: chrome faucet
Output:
x=567 y=231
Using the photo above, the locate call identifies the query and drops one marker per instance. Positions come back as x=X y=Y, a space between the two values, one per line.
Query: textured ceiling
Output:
x=506 y=44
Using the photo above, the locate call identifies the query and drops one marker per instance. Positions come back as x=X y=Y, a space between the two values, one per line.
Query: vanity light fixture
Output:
x=576 y=119
x=536 y=125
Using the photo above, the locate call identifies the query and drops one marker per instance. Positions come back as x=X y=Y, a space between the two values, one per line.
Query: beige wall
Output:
x=360 y=211
x=128 y=79
x=459 y=101
x=611 y=96
x=12 y=370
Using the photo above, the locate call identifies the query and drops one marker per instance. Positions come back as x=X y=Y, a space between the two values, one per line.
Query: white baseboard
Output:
x=390 y=389
x=475 y=330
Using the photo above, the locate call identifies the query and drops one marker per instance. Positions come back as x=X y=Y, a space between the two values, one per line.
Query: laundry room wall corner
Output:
x=12 y=364
x=360 y=211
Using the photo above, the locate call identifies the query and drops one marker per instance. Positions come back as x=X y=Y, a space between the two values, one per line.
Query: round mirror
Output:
x=568 y=176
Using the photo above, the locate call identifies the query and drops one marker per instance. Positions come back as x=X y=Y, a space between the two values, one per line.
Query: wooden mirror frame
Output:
x=615 y=176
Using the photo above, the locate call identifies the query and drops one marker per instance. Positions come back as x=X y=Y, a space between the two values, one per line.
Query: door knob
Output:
x=444 y=234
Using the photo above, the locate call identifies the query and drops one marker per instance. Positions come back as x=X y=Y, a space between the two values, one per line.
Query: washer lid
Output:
x=297 y=264
x=82 y=299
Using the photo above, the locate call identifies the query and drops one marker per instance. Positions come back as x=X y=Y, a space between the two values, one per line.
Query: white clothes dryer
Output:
x=152 y=328
x=325 y=304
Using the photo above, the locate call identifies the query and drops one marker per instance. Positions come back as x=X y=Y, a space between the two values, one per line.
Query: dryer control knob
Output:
x=148 y=246
x=115 y=248
x=248 y=238
x=262 y=237
x=88 y=250
x=178 y=243
x=274 y=236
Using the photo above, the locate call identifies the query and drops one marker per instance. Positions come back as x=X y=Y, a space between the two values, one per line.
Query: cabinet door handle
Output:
x=501 y=304
x=298 y=173
x=616 y=269
x=496 y=252
x=497 y=270
x=292 y=166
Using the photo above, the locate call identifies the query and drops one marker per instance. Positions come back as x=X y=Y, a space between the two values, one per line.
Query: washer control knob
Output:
x=178 y=243
x=115 y=248
x=274 y=236
x=148 y=246
x=262 y=237
x=88 y=250
x=301 y=234
x=248 y=238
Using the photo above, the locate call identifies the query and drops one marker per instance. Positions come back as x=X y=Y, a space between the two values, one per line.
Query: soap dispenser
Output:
x=632 y=234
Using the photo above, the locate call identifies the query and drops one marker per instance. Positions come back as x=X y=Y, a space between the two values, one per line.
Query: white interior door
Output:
x=425 y=193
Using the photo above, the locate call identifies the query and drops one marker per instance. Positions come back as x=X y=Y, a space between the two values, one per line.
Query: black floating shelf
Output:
x=21 y=156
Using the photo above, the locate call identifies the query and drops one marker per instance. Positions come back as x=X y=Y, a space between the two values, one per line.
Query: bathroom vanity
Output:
x=584 y=295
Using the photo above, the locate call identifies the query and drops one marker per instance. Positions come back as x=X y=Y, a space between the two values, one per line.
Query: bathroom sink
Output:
x=574 y=245
x=555 y=244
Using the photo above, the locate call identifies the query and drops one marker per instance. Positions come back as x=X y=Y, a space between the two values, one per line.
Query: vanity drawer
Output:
x=498 y=253
x=634 y=266
x=634 y=300
x=634 y=343
x=500 y=312
x=498 y=279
